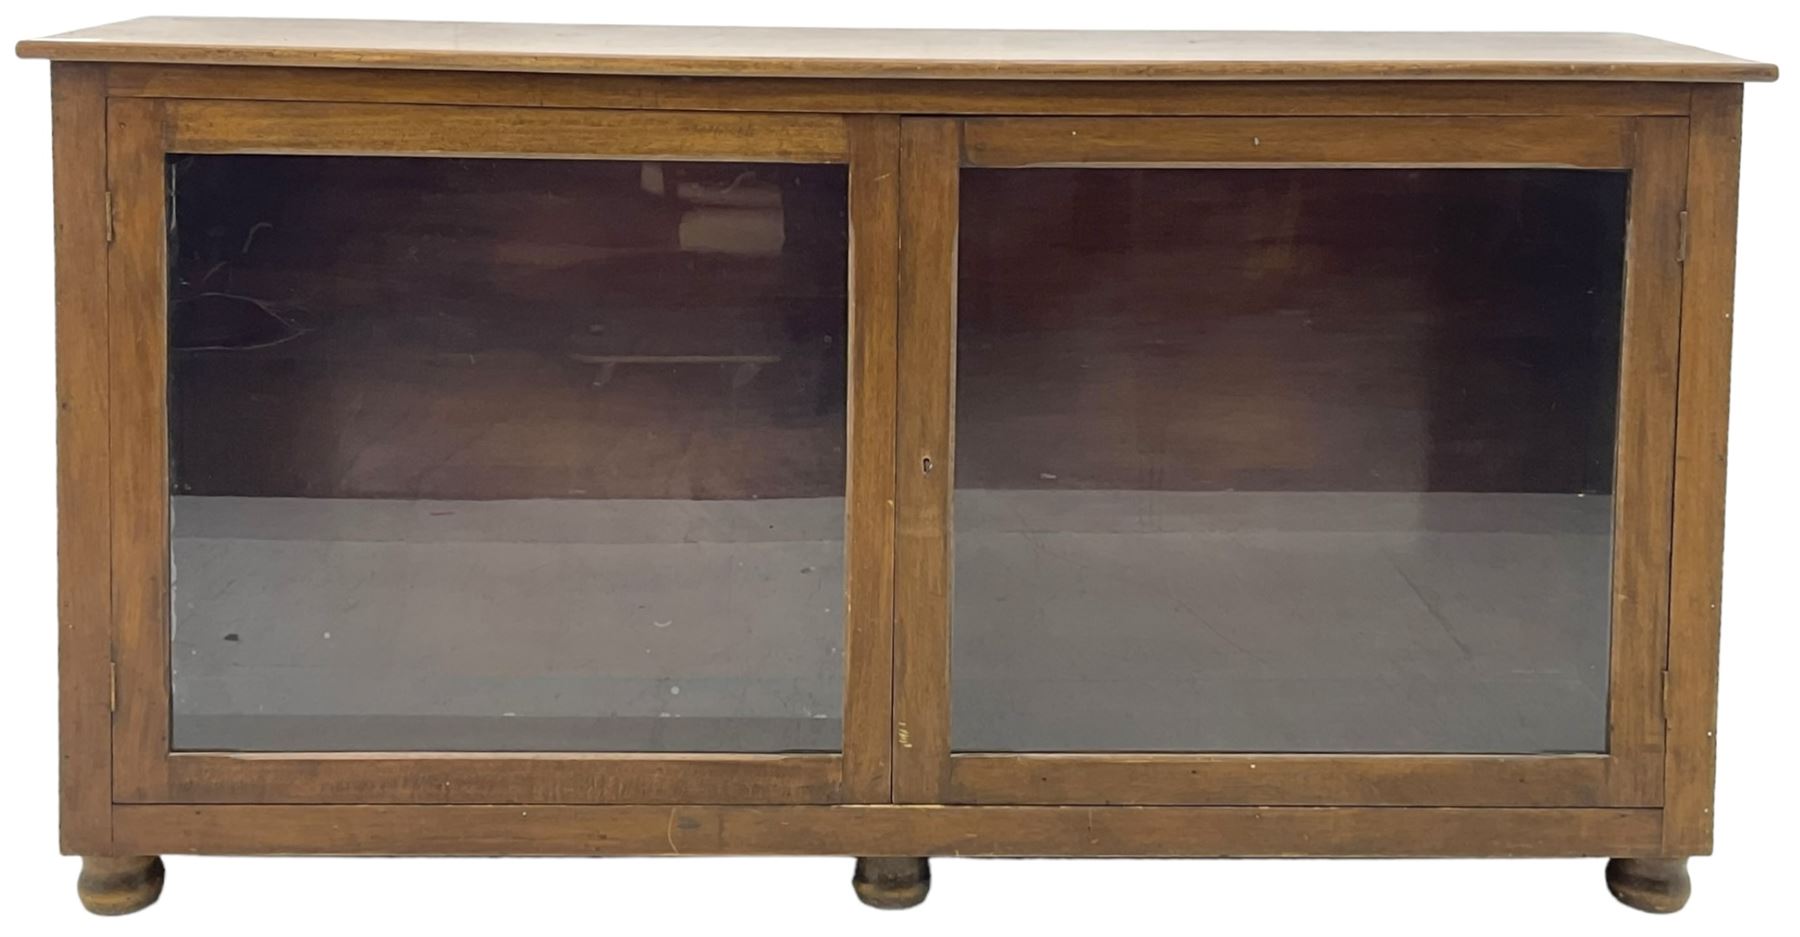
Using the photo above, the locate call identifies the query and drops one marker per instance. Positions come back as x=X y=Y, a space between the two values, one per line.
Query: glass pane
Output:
x=502 y=455
x=1285 y=460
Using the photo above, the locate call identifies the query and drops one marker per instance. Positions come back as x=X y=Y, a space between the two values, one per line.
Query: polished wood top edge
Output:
x=870 y=53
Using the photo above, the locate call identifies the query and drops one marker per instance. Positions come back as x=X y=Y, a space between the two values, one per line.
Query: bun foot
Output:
x=119 y=885
x=892 y=883
x=1659 y=886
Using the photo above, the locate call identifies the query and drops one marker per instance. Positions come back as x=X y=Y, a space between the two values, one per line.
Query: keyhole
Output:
x=927 y=465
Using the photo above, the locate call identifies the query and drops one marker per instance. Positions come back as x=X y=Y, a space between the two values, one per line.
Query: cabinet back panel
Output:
x=1199 y=330
x=485 y=328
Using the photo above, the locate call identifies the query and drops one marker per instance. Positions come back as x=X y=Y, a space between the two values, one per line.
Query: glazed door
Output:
x=481 y=455
x=1296 y=461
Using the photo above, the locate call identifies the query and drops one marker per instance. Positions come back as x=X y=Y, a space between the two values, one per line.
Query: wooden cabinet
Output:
x=606 y=441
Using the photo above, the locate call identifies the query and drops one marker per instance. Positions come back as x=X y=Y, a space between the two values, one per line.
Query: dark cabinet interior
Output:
x=506 y=454
x=1309 y=460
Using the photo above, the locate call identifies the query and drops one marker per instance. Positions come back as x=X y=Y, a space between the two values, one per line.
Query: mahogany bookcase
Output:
x=493 y=440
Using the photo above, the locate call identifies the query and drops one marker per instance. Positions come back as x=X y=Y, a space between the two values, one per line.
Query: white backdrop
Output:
x=1742 y=890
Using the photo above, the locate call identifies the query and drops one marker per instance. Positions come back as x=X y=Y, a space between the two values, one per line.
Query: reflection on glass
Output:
x=503 y=455
x=1285 y=460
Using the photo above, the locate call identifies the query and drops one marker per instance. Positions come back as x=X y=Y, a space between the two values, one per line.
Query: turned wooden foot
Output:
x=892 y=883
x=119 y=885
x=1659 y=886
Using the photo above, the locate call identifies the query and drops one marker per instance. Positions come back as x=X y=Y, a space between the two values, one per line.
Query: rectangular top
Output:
x=894 y=53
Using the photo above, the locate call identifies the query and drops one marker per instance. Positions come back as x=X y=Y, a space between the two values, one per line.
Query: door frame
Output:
x=141 y=132
x=1629 y=774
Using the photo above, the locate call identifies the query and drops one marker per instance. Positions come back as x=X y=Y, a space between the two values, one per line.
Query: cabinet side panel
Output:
x=84 y=608
x=1701 y=409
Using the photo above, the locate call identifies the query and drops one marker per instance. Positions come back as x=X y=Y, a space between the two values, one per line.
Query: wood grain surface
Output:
x=896 y=53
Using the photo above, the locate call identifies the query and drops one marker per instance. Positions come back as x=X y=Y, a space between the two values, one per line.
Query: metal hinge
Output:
x=109 y=216
x=1665 y=699
x=112 y=687
x=1681 y=237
